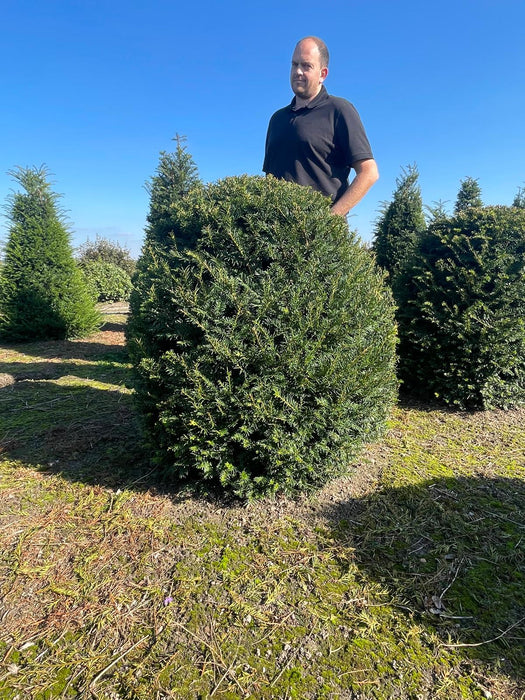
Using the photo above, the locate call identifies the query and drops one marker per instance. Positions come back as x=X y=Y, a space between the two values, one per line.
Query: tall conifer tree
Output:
x=42 y=292
x=400 y=225
x=175 y=177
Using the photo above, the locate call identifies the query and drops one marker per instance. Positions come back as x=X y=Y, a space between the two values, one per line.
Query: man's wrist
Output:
x=338 y=210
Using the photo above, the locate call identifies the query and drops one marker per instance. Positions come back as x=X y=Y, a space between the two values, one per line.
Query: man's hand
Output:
x=366 y=174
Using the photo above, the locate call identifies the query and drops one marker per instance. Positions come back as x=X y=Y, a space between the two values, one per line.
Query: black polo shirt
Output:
x=316 y=145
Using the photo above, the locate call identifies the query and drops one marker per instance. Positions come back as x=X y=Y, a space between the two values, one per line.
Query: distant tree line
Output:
x=456 y=277
x=107 y=268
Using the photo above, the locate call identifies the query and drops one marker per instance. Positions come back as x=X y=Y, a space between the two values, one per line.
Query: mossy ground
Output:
x=403 y=580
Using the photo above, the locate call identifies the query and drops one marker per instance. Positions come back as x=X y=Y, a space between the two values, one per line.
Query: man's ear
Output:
x=324 y=73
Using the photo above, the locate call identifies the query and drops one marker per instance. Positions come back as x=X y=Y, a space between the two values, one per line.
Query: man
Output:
x=319 y=138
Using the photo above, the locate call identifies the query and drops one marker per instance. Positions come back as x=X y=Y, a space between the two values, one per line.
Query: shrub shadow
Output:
x=451 y=552
x=110 y=371
x=84 y=433
x=69 y=350
x=113 y=327
x=55 y=418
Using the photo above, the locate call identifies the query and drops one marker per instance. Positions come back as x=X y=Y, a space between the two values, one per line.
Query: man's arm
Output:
x=366 y=174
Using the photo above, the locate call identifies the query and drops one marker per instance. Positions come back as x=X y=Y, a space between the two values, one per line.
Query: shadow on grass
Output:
x=114 y=326
x=67 y=350
x=107 y=371
x=86 y=434
x=76 y=418
x=451 y=552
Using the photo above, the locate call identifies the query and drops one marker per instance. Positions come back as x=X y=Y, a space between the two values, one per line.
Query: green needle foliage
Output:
x=42 y=292
x=176 y=175
x=263 y=339
x=469 y=195
x=400 y=226
x=462 y=321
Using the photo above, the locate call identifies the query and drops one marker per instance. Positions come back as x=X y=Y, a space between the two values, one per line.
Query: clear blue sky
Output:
x=95 y=90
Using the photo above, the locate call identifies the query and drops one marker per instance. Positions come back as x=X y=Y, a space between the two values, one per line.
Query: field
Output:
x=405 y=579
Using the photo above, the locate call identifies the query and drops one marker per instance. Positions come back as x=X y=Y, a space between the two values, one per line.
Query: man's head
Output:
x=309 y=67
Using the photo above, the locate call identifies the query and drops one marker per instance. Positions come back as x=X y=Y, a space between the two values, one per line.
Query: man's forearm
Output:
x=366 y=175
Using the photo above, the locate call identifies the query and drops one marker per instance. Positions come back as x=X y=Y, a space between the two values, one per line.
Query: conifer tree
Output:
x=519 y=199
x=400 y=225
x=462 y=321
x=175 y=176
x=469 y=195
x=436 y=212
x=42 y=292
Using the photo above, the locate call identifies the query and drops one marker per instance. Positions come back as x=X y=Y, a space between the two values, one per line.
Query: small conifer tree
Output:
x=42 y=292
x=437 y=211
x=469 y=195
x=176 y=175
x=519 y=199
x=400 y=225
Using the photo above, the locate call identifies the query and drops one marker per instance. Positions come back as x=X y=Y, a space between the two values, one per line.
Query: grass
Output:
x=403 y=580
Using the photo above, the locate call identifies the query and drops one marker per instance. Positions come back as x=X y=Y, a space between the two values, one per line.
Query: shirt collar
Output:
x=322 y=95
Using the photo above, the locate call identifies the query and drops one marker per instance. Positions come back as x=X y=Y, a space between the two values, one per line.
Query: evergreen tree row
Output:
x=459 y=287
x=262 y=333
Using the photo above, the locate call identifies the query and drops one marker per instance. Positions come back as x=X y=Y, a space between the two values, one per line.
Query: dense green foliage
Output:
x=462 y=318
x=265 y=351
x=42 y=292
x=106 y=251
x=400 y=226
x=436 y=212
x=469 y=195
x=175 y=176
x=106 y=281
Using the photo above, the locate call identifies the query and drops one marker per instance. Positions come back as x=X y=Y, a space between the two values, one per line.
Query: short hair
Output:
x=322 y=48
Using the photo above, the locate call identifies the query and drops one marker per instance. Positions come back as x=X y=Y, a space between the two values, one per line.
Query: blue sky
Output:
x=95 y=90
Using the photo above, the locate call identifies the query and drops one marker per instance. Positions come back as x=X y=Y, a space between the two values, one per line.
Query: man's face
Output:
x=307 y=75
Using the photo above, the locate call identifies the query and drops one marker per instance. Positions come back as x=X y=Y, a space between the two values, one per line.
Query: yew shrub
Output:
x=462 y=318
x=263 y=339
